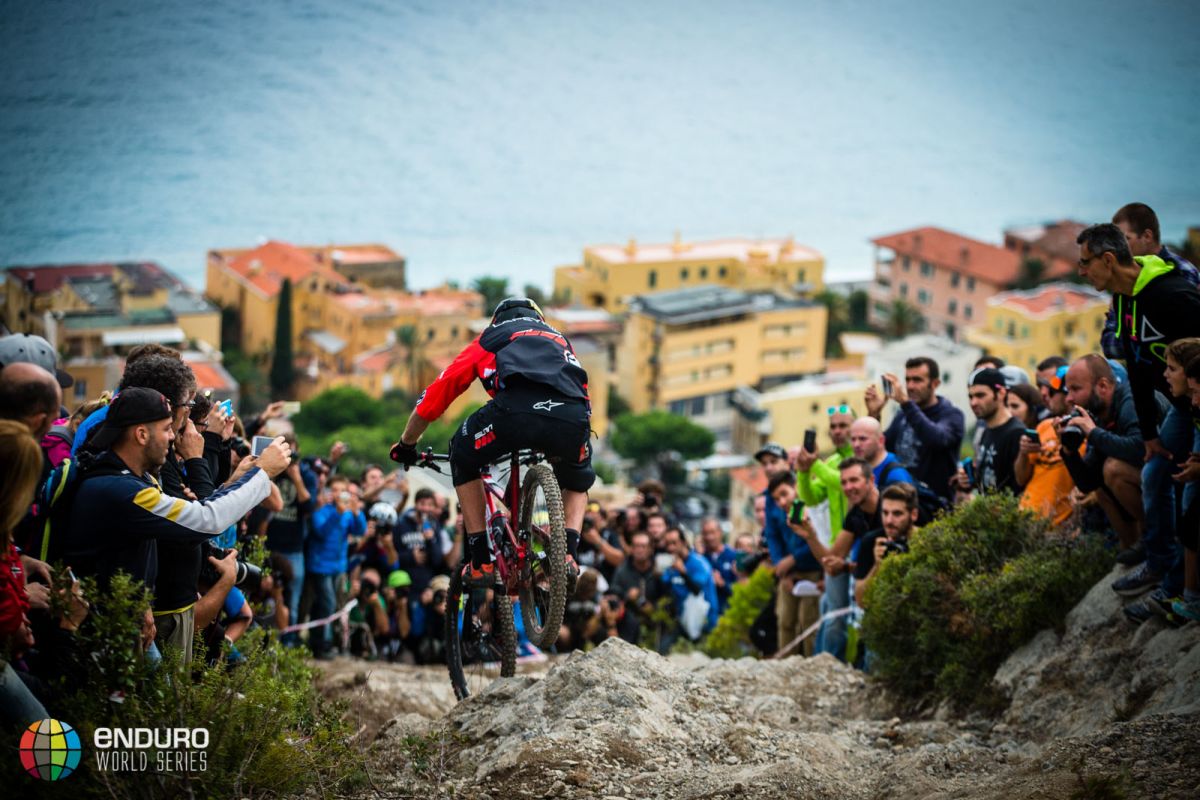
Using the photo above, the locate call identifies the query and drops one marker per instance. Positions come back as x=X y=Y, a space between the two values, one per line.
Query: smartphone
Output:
x=1032 y=435
x=796 y=514
x=968 y=466
x=227 y=406
x=810 y=440
x=887 y=387
x=291 y=408
x=259 y=444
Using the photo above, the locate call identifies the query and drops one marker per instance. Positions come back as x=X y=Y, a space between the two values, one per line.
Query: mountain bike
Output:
x=531 y=565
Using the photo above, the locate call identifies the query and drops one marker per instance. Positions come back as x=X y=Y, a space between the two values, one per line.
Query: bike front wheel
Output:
x=481 y=640
x=544 y=592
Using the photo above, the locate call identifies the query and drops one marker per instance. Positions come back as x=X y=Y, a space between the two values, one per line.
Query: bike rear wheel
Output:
x=544 y=594
x=481 y=640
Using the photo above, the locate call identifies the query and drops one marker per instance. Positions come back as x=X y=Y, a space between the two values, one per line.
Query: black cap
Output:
x=25 y=348
x=133 y=406
x=988 y=376
x=771 y=449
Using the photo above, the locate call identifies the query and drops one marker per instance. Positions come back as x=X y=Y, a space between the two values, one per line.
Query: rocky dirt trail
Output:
x=1100 y=710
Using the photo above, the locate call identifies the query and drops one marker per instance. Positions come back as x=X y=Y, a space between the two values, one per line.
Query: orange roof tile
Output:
x=752 y=476
x=211 y=376
x=952 y=251
x=267 y=266
x=1051 y=298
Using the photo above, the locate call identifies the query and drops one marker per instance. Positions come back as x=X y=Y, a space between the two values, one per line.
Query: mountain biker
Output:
x=539 y=401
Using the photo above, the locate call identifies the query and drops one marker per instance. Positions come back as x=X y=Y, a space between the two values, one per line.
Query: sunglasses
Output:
x=842 y=409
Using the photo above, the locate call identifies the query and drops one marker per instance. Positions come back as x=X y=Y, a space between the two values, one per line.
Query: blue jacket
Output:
x=325 y=548
x=895 y=474
x=697 y=580
x=724 y=562
x=782 y=541
x=81 y=433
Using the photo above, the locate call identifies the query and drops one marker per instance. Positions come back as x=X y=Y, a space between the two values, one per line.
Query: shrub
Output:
x=270 y=732
x=977 y=584
x=731 y=636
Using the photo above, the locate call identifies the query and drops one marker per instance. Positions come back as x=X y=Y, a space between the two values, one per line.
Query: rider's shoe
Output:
x=483 y=577
x=572 y=576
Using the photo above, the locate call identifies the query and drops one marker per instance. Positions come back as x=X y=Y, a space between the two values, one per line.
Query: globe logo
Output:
x=50 y=750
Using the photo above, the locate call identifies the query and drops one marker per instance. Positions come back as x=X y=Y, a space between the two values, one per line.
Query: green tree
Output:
x=283 y=362
x=493 y=290
x=535 y=293
x=252 y=379
x=837 y=320
x=904 y=319
x=660 y=438
x=1032 y=271
x=337 y=408
x=859 y=303
x=407 y=336
x=617 y=405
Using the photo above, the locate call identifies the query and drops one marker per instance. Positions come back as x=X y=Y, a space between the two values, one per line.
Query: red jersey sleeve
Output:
x=453 y=381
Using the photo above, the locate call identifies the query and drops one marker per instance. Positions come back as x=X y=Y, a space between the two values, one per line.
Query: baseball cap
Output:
x=133 y=406
x=771 y=449
x=1014 y=376
x=987 y=376
x=26 y=348
x=440 y=583
x=399 y=578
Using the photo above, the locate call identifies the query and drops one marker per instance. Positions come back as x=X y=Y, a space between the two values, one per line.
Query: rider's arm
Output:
x=453 y=381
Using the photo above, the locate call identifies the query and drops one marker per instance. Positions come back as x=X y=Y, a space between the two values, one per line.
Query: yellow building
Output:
x=687 y=350
x=1024 y=327
x=94 y=313
x=611 y=274
x=784 y=413
x=595 y=335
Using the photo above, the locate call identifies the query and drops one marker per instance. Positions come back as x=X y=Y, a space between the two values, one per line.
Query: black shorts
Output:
x=561 y=432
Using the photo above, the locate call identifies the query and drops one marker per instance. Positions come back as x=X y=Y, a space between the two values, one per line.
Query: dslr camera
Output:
x=894 y=546
x=247 y=578
x=1072 y=436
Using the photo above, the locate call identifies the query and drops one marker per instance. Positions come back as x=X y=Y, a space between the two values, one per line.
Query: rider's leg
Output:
x=574 y=506
x=470 y=497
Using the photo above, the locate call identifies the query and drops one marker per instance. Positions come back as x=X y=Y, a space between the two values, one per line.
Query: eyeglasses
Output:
x=842 y=409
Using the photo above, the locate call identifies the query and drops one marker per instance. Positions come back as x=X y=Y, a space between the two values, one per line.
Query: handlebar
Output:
x=430 y=460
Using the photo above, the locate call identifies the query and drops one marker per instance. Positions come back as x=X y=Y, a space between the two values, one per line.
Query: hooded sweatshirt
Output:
x=934 y=435
x=1163 y=306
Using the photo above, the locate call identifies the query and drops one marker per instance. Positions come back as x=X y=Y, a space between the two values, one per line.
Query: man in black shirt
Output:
x=858 y=484
x=1000 y=443
x=898 y=511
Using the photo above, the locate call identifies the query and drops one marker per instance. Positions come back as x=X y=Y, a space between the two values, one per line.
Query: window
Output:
x=904 y=290
x=454 y=332
x=1012 y=330
x=429 y=335
x=923 y=297
x=953 y=307
x=1024 y=331
x=967 y=311
x=81 y=392
x=722 y=272
x=1069 y=328
x=926 y=269
x=652 y=278
x=905 y=263
x=954 y=279
x=703 y=273
x=970 y=284
x=677 y=407
x=697 y=406
x=683 y=273
x=800 y=276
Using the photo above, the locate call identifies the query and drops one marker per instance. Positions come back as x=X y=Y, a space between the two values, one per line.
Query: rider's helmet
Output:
x=383 y=514
x=516 y=307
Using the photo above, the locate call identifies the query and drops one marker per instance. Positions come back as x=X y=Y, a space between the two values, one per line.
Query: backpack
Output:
x=929 y=502
x=55 y=498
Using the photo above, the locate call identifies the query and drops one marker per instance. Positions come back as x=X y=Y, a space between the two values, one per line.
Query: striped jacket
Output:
x=116 y=520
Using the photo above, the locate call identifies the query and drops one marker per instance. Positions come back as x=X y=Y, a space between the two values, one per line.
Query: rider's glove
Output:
x=405 y=454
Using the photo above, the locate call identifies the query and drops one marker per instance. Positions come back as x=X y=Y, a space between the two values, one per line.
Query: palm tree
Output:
x=837 y=321
x=407 y=335
x=903 y=319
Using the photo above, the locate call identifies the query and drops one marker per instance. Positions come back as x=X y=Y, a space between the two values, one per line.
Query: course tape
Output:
x=841 y=612
x=312 y=623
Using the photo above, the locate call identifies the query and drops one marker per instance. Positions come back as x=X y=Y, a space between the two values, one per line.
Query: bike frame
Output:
x=511 y=571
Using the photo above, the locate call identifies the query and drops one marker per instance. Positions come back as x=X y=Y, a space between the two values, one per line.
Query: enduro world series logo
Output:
x=51 y=749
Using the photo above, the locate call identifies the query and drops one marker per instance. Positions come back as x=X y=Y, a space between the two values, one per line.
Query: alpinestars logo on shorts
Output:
x=485 y=437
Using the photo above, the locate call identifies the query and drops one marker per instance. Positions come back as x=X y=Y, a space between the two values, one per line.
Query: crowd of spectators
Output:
x=160 y=482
